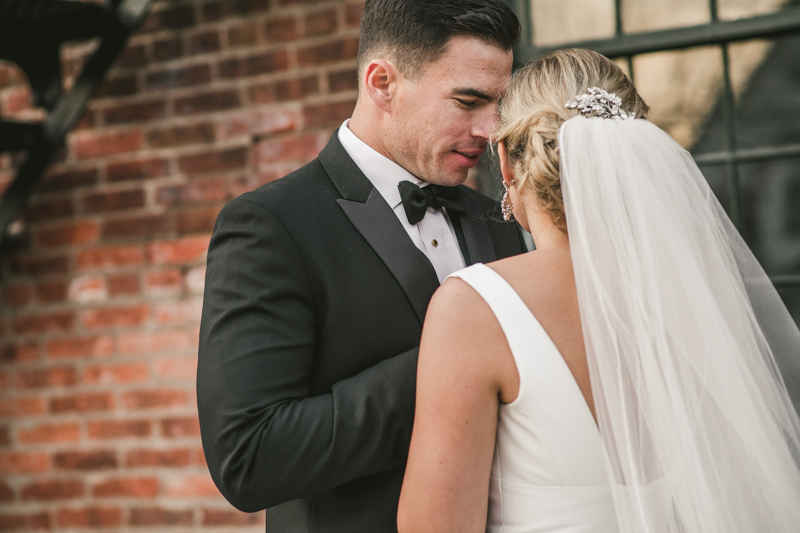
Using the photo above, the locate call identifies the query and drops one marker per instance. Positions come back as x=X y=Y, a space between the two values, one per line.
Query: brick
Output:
x=163 y=282
x=345 y=80
x=44 y=322
x=174 y=78
x=90 y=288
x=166 y=49
x=85 y=460
x=196 y=191
x=138 y=343
x=125 y=85
x=21 y=407
x=108 y=257
x=190 y=486
x=113 y=201
x=254 y=65
x=185 y=250
x=109 y=317
x=281 y=29
x=352 y=13
x=332 y=114
x=136 y=226
x=123 y=285
x=52 y=291
x=68 y=179
x=134 y=487
x=215 y=11
x=94 y=517
x=155 y=398
x=57 y=489
x=17 y=296
x=91 y=145
x=243 y=35
x=320 y=23
x=5 y=438
x=6 y=492
x=178 y=311
x=201 y=133
x=257 y=123
x=135 y=113
x=207 y=102
x=69 y=234
x=119 y=373
x=180 y=427
x=158 y=458
x=226 y=517
x=55 y=433
x=300 y=148
x=17 y=99
x=204 y=42
x=82 y=403
x=80 y=347
x=133 y=56
x=23 y=463
x=182 y=368
x=24 y=521
x=137 y=170
x=119 y=429
x=197 y=220
x=40 y=211
x=39 y=265
x=246 y=7
x=19 y=352
x=322 y=54
x=157 y=516
x=284 y=90
x=46 y=377
x=177 y=17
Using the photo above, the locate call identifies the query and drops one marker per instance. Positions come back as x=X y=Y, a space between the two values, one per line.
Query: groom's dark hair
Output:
x=413 y=33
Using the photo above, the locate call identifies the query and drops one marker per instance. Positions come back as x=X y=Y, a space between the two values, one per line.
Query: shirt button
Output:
x=435 y=243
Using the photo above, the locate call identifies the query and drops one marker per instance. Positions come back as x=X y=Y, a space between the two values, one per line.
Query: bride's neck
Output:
x=546 y=236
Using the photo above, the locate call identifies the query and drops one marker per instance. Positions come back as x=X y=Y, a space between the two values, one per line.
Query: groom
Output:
x=317 y=284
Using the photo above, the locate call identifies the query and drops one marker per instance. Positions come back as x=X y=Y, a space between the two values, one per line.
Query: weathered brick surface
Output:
x=100 y=296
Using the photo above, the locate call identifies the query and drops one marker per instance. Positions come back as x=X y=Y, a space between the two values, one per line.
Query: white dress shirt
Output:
x=434 y=234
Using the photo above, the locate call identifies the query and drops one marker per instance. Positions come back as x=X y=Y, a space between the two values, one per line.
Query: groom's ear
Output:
x=381 y=83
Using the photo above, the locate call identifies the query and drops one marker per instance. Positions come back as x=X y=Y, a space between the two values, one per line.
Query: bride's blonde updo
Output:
x=533 y=110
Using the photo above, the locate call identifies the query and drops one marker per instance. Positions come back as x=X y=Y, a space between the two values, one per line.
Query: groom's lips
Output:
x=469 y=158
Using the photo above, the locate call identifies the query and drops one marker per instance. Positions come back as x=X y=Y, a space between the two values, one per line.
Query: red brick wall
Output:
x=101 y=292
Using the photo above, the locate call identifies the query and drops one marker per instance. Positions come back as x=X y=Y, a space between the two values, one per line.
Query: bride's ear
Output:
x=505 y=167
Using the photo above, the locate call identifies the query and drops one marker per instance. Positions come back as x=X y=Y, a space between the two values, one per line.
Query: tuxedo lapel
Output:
x=377 y=223
x=476 y=232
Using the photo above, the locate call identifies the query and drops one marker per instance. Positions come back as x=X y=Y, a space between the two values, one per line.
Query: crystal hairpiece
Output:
x=596 y=102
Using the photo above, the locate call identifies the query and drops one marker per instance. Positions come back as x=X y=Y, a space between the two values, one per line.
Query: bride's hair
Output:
x=533 y=110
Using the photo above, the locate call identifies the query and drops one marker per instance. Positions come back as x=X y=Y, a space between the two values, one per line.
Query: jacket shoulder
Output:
x=294 y=188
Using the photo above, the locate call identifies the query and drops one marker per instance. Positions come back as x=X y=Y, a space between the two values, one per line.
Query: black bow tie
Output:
x=417 y=200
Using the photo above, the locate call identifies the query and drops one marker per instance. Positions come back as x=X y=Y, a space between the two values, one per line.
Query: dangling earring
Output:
x=505 y=205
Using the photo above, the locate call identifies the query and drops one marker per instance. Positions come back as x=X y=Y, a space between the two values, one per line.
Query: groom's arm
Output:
x=265 y=440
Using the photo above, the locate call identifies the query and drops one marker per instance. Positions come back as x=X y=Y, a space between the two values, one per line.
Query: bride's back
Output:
x=545 y=282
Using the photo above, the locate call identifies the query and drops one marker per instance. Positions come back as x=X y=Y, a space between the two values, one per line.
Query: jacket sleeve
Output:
x=265 y=440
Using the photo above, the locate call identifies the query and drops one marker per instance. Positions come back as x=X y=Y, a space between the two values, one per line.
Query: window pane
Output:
x=717 y=178
x=791 y=297
x=768 y=106
x=770 y=194
x=681 y=89
x=737 y=9
x=648 y=15
x=556 y=22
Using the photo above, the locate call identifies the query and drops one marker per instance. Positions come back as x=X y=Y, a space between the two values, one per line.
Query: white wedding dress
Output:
x=549 y=472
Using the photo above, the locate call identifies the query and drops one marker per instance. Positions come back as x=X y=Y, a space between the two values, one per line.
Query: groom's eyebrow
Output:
x=466 y=91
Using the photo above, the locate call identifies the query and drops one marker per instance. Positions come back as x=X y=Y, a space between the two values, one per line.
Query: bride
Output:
x=623 y=376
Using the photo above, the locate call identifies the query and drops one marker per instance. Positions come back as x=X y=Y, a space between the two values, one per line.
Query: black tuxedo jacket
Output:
x=312 y=316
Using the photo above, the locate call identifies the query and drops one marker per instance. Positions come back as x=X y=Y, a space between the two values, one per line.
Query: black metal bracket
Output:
x=61 y=21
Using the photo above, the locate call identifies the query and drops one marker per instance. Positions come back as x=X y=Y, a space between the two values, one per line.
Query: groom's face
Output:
x=444 y=118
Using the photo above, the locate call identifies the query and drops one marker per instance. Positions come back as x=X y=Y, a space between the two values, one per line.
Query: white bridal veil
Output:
x=682 y=329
